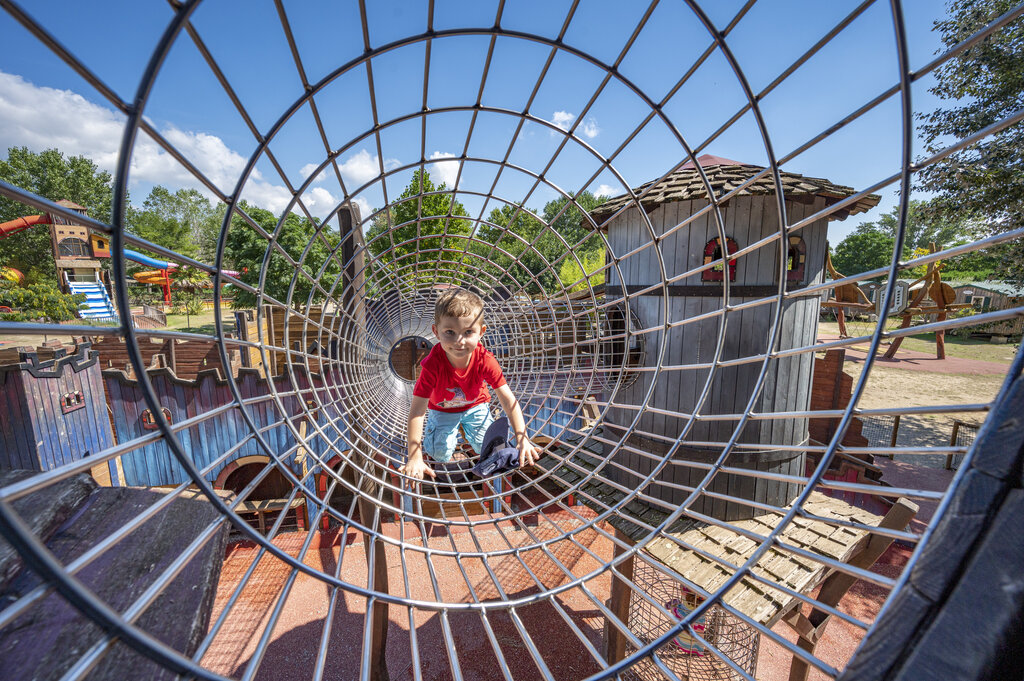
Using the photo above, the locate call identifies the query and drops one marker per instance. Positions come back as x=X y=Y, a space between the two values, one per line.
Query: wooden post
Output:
x=894 y=435
x=896 y=342
x=377 y=579
x=615 y=640
x=351 y=332
x=809 y=628
x=841 y=319
x=952 y=443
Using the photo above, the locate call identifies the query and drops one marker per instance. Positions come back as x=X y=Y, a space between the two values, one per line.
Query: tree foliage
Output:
x=871 y=244
x=246 y=249
x=42 y=300
x=539 y=247
x=184 y=221
x=53 y=176
x=403 y=235
x=984 y=182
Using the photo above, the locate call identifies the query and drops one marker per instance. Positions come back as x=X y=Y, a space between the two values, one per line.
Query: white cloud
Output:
x=360 y=168
x=308 y=169
x=588 y=128
x=45 y=118
x=444 y=171
x=607 y=190
x=563 y=119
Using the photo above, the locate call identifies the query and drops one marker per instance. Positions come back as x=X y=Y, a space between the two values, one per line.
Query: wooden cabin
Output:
x=749 y=216
x=989 y=296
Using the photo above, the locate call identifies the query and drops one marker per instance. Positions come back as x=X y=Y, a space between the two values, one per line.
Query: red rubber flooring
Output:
x=295 y=640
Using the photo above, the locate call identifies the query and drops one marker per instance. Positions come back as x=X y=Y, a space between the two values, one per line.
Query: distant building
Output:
x=990 y=296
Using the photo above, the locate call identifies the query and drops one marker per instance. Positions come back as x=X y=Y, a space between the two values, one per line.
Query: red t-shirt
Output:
x=449 y=389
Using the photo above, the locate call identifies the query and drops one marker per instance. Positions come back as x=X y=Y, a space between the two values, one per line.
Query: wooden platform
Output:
x=71 y=517
x=681 y=553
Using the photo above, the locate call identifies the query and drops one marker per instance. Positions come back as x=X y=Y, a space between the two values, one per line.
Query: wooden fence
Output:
x=154 y=464
x=185 y=358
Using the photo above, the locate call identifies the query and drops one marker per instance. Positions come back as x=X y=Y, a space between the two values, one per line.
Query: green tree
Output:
x=53 y=176
x=983 y=183
x=184 y=221
x=543 y=241
x=508 y=232
x=870 y=245
x=571 y=275
x=422 y=211
x=42 y=300
x=863 y=250
x=189 y=280
x=245 y=251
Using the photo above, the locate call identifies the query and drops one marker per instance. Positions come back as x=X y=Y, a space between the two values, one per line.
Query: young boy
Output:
x=450 y=391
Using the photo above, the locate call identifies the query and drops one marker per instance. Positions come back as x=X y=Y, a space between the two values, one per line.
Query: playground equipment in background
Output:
x=76 y=254
x=11 y=274
x=844 y=297
x=162 y=276
x=78 y=249
x=942 y=297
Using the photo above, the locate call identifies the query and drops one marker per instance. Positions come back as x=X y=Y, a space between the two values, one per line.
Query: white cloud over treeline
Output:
x=40 y=118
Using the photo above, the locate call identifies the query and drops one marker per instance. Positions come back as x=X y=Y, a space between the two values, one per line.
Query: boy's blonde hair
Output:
x=459 y=303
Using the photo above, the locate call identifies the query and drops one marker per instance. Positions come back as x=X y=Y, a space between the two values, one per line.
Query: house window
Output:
x=149 y=422
x=713 y=252
x=71 y=401
x=980 y=303
x=796 y=259
x=73 y=247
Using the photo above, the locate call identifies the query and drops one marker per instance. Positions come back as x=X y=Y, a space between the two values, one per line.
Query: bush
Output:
x=41 y=300
x=194 y=305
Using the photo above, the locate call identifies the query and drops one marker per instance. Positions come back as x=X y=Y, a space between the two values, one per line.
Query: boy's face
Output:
x=459 y=336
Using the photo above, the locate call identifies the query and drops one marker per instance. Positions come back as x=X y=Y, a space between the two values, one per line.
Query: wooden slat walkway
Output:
x=680 y=549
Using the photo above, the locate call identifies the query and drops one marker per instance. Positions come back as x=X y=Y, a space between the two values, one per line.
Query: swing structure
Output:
x=681 y=518
x=934 y=297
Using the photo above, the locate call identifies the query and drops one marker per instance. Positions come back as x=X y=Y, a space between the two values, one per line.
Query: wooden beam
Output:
x=615 y=640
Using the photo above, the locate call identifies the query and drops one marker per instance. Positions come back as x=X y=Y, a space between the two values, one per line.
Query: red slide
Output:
x=21 y=224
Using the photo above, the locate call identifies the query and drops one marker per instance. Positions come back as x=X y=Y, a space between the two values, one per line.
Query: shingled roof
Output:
x=725 y=175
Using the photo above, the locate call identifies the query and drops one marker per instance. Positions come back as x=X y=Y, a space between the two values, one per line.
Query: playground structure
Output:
x=922 y=298
x=622 y=554
x=77 y=251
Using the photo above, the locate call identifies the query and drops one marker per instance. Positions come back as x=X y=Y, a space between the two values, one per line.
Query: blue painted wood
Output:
x=155 y=465
x=37 y=434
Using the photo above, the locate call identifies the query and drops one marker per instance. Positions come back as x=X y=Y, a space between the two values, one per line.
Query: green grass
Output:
x=200 y=323
x=963 y=348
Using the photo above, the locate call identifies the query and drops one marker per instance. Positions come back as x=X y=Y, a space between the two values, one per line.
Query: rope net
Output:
x=694 y=492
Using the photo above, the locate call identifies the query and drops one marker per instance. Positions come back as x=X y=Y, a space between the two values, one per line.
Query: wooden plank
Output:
x=179 y=616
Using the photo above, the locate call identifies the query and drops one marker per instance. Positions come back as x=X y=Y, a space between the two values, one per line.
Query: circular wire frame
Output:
x=671 y=392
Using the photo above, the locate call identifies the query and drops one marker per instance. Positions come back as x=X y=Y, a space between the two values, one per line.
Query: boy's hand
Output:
x=528 y=453
x=416 y=467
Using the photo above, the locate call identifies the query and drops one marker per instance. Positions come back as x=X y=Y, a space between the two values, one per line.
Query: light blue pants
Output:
x=440 y=433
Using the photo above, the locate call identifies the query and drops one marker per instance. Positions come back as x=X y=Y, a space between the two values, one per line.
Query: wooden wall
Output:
x=247 y=329
x=787 y=382
x=154 y=464
x=185 y=358
x=36 y=433
x=319 y=330
x=996 y=301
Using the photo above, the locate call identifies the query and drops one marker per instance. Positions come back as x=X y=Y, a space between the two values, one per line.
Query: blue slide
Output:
x=146 y=260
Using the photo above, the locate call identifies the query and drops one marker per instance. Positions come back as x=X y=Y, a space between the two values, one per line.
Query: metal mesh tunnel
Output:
x=701 y=511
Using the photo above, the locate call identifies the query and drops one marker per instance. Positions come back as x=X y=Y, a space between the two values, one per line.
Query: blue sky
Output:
x=44 y=104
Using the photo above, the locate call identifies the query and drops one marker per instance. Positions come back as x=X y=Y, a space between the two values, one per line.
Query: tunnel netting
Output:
x=672 y=420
